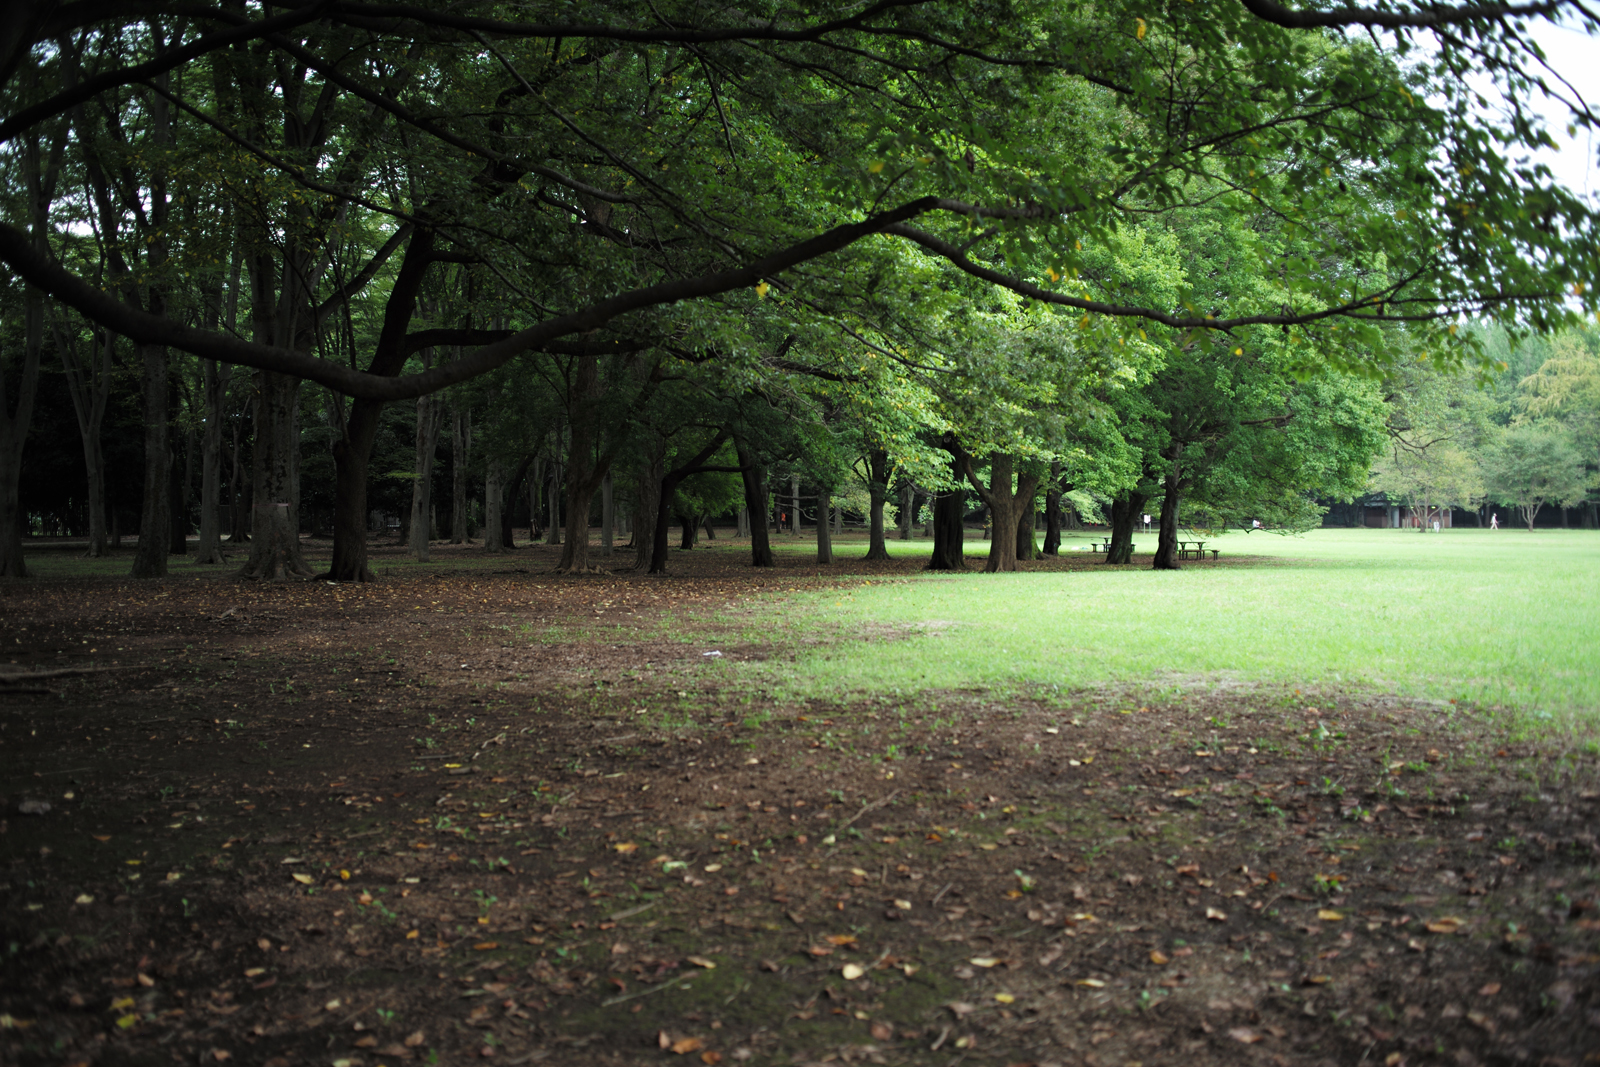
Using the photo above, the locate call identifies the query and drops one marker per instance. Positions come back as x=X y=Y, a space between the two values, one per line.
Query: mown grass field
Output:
x=1498 y=618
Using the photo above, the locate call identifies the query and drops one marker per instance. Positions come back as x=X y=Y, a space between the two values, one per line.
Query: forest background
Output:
x=1221 y=266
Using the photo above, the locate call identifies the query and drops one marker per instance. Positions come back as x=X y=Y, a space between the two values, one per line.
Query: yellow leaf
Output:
x=1139 y=33
x=1005 y=998
x=1328 y=915
x=687 y=1045
x=761 y=290
x=1159 y=958
x=626 y=847
x=983 y=961
x=485 y=946
x=344 y=876
x=852 y=971
x=1092 y=983
x=701 y=961
x=303 y=879
x=876 y=167
x=127 y=1021
x=413 y=935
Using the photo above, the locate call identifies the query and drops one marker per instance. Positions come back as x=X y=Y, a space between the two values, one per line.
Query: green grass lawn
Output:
x=1499 y=618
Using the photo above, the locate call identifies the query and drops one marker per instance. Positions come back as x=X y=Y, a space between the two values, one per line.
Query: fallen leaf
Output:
x=84 y=898
x=852 y=971
x=1005 y=998
x=1244 y=1035
x=687 y=1045
x=701 y=961
x=711 y=1056
x=1216 y=916
x=1489 y=990
x=840 y=939
x=1445 y=924
x=881 y=1031
x=1159 y=958
x=485 y=946
x=626 y=847
x=303 y=879
x=255 y=972
x=415 y=1039
x=1328 y=915
x=983 y=961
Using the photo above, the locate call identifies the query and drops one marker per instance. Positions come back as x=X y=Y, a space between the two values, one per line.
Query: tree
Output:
x=712 y=154
x=1533 y=465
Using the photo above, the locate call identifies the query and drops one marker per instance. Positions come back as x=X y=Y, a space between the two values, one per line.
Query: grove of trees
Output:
x=653 y=263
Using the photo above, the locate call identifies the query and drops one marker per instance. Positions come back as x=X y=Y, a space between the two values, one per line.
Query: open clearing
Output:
x=1079 y=816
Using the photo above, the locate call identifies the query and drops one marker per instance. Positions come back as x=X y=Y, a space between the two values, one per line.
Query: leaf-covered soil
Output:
x=479 y=811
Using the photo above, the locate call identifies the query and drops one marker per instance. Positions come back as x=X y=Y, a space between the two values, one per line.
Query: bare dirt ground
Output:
x=480 y=812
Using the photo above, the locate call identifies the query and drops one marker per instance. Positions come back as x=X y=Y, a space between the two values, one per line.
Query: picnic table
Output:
x=1194 y=550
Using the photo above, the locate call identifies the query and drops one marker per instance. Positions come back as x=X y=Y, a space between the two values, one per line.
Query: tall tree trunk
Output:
x=1006 y=506
x=669 y=486
x=89 y=383
x=460 y=449
x=553 y=497
x=1167 y=538
x=647 y=503
x=512 y=492
x=493 y=534
x=155 y=515
x=742 y=523
x=587 y=466
x=1027 y=548
x=608 y=515
x=536 y=494
x=1052 y=512
x=824 y=526
x=1125 y=512
x=182 y=481
x=908 y=507
x=877 y=491
x=214 y=388
x=14 y=435
x=949 y=513
x=238 y=528
x=756 y=503
x=430 y=417
x=275 y=530
x=794 y=504
x=687 y=540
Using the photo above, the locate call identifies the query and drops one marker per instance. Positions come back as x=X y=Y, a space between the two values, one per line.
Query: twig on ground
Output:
x=870 y=807
x=691 y=976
